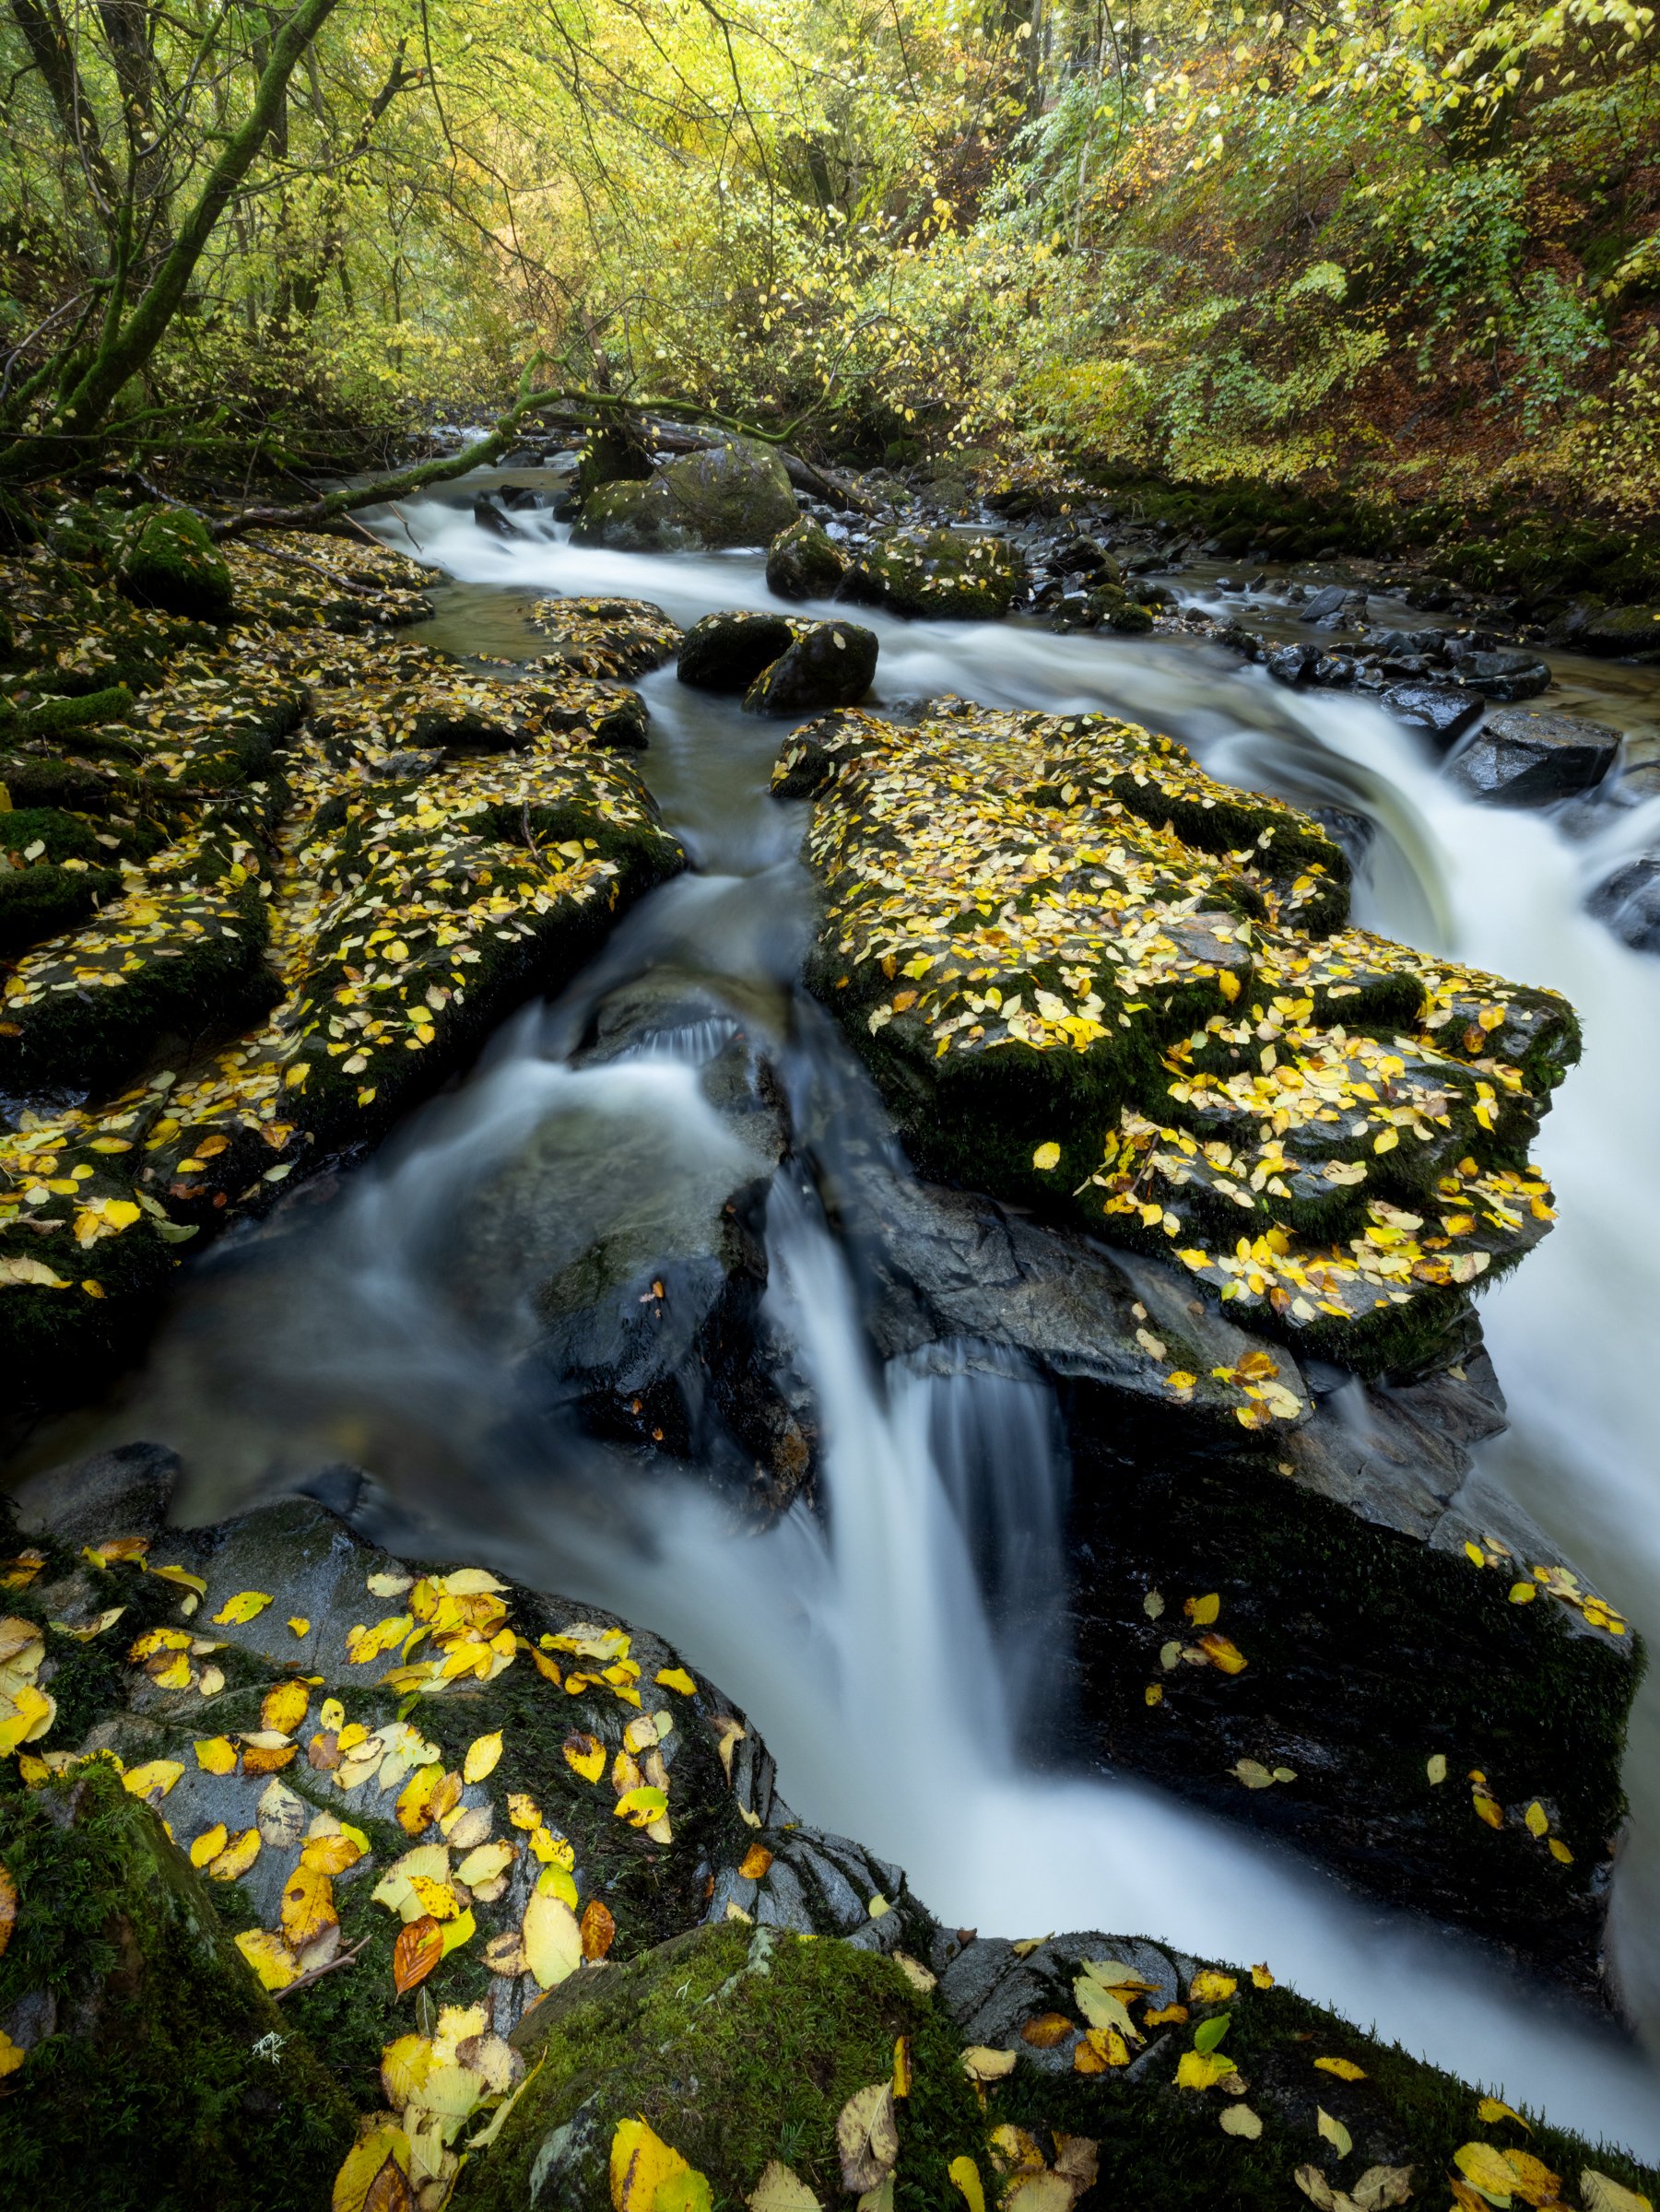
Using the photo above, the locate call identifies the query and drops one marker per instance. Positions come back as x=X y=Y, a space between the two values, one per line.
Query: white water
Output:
x=866 y=1655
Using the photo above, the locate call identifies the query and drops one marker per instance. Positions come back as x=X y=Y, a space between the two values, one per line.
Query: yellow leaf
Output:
x=153 y=1780
x=641 y=2163
x=362 y=2185
x=1202 y=1611
x=236 y=1611
x=1494 y=2108
x=584 y=1755
x=552 y=1939
x=1344 y=2068
x=283 y=1707
x=217 y=1755
x=1046 y=1157
x=11 y=2054
x=1211 y=1987
x=1223 y=1655
x=299 y=1623
x=981 y=2064
x=236 y=1858
x=307 y=1906
x=1202 y=2069
x=269 y=1957
x=1333 y=2131
x=483 y=1753
x=868 y=2139
x=779 y=2190
x=641 y=1807
x=209 y=1845
x=1601 y=2195
x=1536 y=1819
x=1435 y=1766
x=460 y=1930
x=965 y=2179
x=1486 y=2167
x=675 y=1677
x=1240 y=2120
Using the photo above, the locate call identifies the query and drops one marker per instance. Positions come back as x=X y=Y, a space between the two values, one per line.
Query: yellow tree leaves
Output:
x=236 y=1612
x=417 y=1951
x=867 y=2142
x=307 y=1906
x=552 y=1939
x=283 y=1709
x=584 y=1755
x=648 y=2175
x=483 y=1754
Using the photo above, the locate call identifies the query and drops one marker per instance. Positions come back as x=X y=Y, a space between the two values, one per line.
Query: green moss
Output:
x=944 y=574
x=171 y=563
x=158 y=2077
x=41 y=901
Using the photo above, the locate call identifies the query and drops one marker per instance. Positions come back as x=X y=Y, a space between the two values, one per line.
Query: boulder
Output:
x=1620 y=632
x=605 y=638
x=725 y=495
x=1119 y=610
x=727 y=652
x=1294 y=663
x=1629 y=900
x=1441 y=712
x=171 y=563
x=1518 y=759
x=616 y=455
x=1505 y=676
x=949 y=574
x=1042 y=1028
x=148 y=2069
x=830 y=665
x=804 y=562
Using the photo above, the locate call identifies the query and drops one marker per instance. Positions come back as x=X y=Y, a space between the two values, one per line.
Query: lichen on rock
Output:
x=1087 y=976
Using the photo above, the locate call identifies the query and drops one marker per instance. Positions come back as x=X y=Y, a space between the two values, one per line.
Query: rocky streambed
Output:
x=1099 y=1094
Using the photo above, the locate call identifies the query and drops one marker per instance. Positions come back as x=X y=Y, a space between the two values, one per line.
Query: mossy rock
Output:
x=804 y=562
x=948 y=574
x=613 y=455
x=1622 y=632
x=830 y=665
x=171 y=563
x=728 y=495
x=727 y=651
x=156 y=2075
x=1119 y=611
x=40 y=900
x=628 y=516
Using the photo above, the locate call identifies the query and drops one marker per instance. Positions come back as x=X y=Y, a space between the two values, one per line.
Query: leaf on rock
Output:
x=641 y=2163
x=246 y=1605
x=1494 y=2108
x=282 y=1816
x=981 y=2064
x=374 y=2176
x=283 y=1707
x=236 y=1858
x=868 y=2139
x=482 y=1755
x=269 y=1957
x=209 y=1845
x=598 y=1929
x=153 y=1780
x=552 y=1939
x=676 y=1678
x=1240 y=2120
x=965 y=2179
x=1380 y=2186
x=417 y=1951
x=307 y=1906
x=1047 y=2031
x=1336 y=2134
x=1602 y=2195
x=642 y=1808
x=1344 y=2068
x=584 y=1755
x=217 y=1755
x=1209 y=1987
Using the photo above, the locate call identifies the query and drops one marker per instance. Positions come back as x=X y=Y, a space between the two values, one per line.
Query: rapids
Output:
x=891 y=1651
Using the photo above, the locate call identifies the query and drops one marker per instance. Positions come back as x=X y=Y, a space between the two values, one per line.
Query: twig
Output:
x=339 y=1959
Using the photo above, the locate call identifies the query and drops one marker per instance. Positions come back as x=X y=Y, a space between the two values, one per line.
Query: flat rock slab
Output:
x=1521 y=757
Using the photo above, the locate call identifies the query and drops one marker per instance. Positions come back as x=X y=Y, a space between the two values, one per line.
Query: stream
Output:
x=892 y=1649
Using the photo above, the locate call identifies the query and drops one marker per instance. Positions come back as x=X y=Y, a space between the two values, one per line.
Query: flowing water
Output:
x=891 y=1648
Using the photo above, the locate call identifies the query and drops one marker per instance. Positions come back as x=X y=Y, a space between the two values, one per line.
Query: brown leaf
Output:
x=417 y=1951
x=868 y=2139
x=9 y=1909
x=1047 y=2031
x=599 y=1930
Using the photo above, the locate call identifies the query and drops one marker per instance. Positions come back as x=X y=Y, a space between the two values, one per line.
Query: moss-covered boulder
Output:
x=605 y=638
x=727 y=495
x=947 y=574
x=171 y=563
x=325 y=865
x=1087 y=977
x=727 y=651
x=804 y=562
x=142 y=2067
x=1621 y=632
x=830 y=665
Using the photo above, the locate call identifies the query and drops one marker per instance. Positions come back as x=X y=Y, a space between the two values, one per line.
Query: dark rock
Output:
x=727 y=652
x=723 y=496
x=1329 y=607
x=804 y=562
x=830 y=665
x=1430 y=594
x=1246 y=642
x=1293 y=663
x=1120 y=611
x=124 y=1492
x=1529 y=760
x=944 y=574
x=1620 y=632
x=1629 y=900
x=616 y=455
x=1505 y=676
x=489 y=515
x=1083 y=557
x=1443 y=712
x=171 y=563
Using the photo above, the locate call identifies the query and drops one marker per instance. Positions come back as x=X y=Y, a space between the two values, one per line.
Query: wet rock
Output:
x=1084 y=557
x=1505 y=676
x=723 y=496
x=727 y=652
x=1443 y=711
x=490 y=515
x=804 y=562
x=998 y=1080
x=948 y=574
x=171 y=562
x=1335 y=607
x=1620 y=632
x=1629 y=900
x=606 y=638
x=151 y=2067
x=1294 y=663
x=1532 y=759
x=124 y=1492
x=830 y=665
x=1120 y=610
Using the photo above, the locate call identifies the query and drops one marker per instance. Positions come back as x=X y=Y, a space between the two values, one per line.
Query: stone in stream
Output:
x=830 y=665
x=804 y=562
x=1505 y=676
x=1087 y=978
x=727 y=652
x=1443 y=711
x=948 y=574
x=526 y=1888
x=722 y=496
x=1520 y=758
x=328 y=863
x=1619 y=633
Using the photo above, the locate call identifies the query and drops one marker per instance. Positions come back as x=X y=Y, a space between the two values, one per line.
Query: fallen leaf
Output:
x=1336 y=2134
x=1240 y=2120
x=641 y=2163
x=584 y=1755
x=779 y=2190
x=282 y=1816
x=965 y=2179
x=11 y=2054
x=1601 y=2194
x=1380 y=2186
x=269 y=1957
x=641 y=1807
x=1046 y=1157
x=504 y=1954
x=598 y=1929
x=1435 y=1766
x=1344 y=2068
x=754 y=1863
x=1047 y=2031
x=374 y=2176
x=246 y=1605
x=1494 y=2108
x=484 y=1863
x=918 y=1975
x=676 y=1678
x=1202 y=1611
x=482 y=1756
x=981 y=2064
x=389 y=1585
x=236 y=1858
x=153 y=1780
x=867 y=2141
x=552 y=1940
x=417 y=1951
x=217 y=1755
x=283 y=1708
x=1534 y=2183
x=209 y=1845
x=299 y=1623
